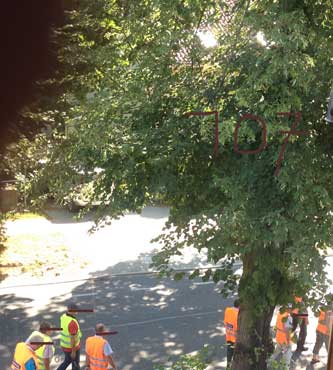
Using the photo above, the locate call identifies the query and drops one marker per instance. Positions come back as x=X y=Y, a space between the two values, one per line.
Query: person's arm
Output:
x=73 y=330
x=111 y=362
x=47 y=355
x=108 y=354
x=73 y=353
x=47 y=363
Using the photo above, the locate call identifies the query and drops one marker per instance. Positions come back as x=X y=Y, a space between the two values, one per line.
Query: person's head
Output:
x=71 y=308
x=44 y=327
x=236 y=303
x=34 y=339
x=99 y=328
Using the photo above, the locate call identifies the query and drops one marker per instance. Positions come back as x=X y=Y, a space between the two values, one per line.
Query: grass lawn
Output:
x=25 y=216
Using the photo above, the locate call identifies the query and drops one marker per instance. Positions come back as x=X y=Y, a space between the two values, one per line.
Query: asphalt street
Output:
x=156 y=320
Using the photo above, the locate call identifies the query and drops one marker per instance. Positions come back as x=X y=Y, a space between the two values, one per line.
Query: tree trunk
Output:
x=254 y=342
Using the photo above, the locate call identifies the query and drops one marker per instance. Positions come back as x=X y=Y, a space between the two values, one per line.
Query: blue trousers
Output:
x=68 y=360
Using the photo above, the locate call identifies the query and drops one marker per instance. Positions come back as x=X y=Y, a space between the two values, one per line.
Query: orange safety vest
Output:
x=23 y=353
x=324 y=322
x=231 y=323
x=281 y=330
x=95 y=352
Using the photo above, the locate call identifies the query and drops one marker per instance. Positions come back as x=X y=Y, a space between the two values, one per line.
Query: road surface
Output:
x=157 y=320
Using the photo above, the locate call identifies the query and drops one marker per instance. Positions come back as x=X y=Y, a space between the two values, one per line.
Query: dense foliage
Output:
x=137 y=68
x=127 y=118
x=187 y=362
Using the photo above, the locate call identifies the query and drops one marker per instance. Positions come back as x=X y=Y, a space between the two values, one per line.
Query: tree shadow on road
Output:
x=14 y=325
x=157 y=319
x=143 y=264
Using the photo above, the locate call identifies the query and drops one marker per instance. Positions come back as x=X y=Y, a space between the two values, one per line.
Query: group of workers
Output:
x=286 y=325
x=37 y=351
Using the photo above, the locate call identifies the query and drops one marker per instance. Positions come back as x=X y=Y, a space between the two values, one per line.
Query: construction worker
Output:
x=25 y=357
x=45 y=352
x=284 y=337
x=70 y=338
x=322 y=333
x=231 y=327
x=99 y=351
x=300 y=317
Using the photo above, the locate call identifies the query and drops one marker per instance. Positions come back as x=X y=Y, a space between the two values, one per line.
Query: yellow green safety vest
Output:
x=65 y=337
x=40 y=351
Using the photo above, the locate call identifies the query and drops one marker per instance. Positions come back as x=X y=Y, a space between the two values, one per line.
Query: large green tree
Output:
x=270 y=209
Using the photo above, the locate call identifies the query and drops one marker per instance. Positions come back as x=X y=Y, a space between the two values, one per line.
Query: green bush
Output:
x=187 y=362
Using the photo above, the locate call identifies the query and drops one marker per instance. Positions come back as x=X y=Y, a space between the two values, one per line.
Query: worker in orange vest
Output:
x=98 y=351
x=323 y=333
x=284 y=337
x=300 y=317
x=25 y=357
x=231 y=328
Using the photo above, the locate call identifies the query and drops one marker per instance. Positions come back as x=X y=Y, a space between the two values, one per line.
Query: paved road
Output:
x=156 y=319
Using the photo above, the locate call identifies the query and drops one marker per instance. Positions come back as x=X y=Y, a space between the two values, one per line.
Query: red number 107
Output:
x=262 y=123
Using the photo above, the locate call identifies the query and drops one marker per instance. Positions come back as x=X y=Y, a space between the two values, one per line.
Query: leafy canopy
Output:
x=138 y=68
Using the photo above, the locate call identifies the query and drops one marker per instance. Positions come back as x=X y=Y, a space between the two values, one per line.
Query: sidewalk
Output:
x=302 y=362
